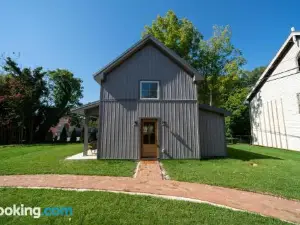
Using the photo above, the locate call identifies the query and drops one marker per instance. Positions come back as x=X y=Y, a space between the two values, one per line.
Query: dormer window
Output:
x=149 y=90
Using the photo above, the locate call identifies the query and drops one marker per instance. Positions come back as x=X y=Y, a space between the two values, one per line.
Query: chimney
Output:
x=294 y=37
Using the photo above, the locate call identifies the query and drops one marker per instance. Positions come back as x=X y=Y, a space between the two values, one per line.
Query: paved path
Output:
x=263 y=204
x=149 y=170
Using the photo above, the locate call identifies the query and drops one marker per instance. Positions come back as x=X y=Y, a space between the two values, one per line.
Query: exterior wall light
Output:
x=164 y=123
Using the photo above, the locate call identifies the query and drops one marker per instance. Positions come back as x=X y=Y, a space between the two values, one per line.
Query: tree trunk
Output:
x=210 y=97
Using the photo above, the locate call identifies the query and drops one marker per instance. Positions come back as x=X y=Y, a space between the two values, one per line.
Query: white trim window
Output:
x=149 y=90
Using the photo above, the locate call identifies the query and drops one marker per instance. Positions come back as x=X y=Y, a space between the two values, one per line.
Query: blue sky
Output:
x=83 y=36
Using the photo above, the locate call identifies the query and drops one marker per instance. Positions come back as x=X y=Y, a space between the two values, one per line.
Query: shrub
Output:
x=93 y=135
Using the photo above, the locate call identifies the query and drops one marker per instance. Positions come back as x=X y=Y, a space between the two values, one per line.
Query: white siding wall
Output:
x=275 y=116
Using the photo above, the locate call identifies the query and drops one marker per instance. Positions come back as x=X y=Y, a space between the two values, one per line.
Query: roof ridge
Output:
x=272 y=65
x=100 y=75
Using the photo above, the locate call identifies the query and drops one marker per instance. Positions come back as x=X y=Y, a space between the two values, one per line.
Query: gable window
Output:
x=149 y=90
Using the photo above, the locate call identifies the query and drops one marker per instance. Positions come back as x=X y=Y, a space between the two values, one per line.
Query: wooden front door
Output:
x=149 y=138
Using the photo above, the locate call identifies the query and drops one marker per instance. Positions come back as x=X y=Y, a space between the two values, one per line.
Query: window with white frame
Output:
x=149 y=90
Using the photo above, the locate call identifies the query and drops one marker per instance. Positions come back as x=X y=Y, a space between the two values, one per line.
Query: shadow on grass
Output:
x=243 y=155
x=39 y=144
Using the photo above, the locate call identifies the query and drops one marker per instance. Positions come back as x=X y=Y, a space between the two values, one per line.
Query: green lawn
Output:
x=111 y=208
x=251 y=168
x=49 y=159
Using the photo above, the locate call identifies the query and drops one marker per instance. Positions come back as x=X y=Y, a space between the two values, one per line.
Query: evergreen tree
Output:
x=63 y=135
x=73 y=136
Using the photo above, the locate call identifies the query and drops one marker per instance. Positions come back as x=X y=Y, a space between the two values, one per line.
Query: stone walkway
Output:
x=149 y=170
x=149 y=180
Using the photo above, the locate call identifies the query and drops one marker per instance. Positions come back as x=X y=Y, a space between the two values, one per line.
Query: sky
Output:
x=85 y=35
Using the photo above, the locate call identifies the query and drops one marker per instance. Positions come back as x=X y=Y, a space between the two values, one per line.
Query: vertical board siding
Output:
x=275 y=117
x=148 y=64
x=269 y=124
x=121 y=139
x=121 y=107
x=118 y=133
x=212 y=134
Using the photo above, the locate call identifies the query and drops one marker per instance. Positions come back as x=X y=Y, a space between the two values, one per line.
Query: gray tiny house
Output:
x=148 y=108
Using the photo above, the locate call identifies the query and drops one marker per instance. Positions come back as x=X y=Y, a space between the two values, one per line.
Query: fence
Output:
x=11 y=135
x=239 y=139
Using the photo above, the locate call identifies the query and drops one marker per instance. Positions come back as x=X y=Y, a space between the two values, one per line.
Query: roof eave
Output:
x=254 y=90
x=100 y=75
x=80 y=110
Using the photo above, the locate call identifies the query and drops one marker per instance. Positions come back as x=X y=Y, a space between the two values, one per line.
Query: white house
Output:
x=275 y=99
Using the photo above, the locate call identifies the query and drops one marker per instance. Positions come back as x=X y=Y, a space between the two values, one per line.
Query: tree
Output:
x=76 y=120
x=11 y=100
x=249 y=78
x=66 y=90
x=180 y=35
x=63 y=135
x=65 y=93
x=216 y=58
x=238 y=123
x=34 y=91
x=221 y=65
x=11 y=109
x=73 y=136
x=37 y=99
x=93 y=122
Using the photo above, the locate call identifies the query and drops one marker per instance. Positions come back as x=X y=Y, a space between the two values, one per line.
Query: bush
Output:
x=93 y=135
x=73 y=136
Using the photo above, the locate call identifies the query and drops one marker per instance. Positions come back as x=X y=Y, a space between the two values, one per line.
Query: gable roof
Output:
x=100 y=75
x=81 y=109
x=290 y=41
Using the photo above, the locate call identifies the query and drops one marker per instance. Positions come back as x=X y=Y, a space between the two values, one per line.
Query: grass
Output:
x=111 y=208
x=251 y=168
x=49 y=159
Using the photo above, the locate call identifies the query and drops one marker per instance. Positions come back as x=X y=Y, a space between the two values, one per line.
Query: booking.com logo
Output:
x=35 y=212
